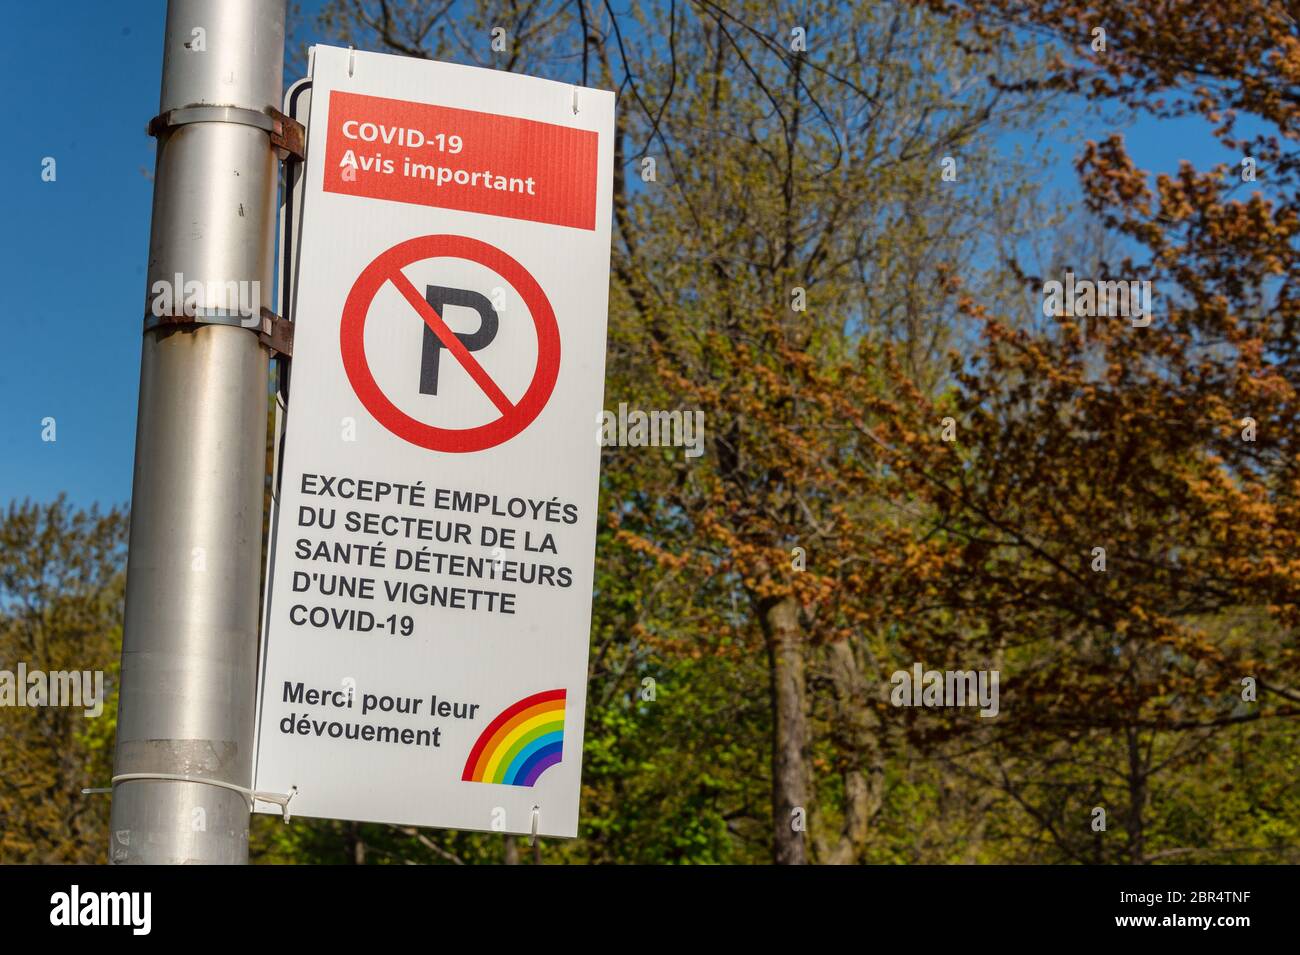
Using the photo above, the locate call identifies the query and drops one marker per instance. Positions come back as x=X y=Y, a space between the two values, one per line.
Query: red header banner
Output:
x=379 y=148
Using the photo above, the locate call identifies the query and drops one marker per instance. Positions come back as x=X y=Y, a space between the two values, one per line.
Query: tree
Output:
x=1119 y=495
x=61 y=591
x=788 y=178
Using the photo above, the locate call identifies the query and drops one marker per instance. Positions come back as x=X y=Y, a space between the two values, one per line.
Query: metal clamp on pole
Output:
x=288 y=136
x=274 y=332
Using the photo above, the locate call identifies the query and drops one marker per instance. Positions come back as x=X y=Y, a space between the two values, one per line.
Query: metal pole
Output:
x=189 y=649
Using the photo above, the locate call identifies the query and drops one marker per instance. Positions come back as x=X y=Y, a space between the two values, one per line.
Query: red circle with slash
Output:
x=387 y=267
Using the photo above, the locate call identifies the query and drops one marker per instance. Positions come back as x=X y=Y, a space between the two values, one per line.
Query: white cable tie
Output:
x=250 y=795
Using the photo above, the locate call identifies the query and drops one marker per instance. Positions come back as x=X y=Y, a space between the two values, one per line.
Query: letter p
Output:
x=439 y=297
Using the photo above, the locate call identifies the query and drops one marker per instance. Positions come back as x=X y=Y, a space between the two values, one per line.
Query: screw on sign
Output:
x=387 y=268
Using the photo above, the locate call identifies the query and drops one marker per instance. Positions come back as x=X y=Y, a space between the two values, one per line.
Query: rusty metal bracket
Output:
x=288 y=136
x=274 y=332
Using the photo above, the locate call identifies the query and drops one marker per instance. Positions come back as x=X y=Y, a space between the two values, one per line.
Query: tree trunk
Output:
x=862 y=767
x=358 y=845
x=1137 y=797
x=785 y=649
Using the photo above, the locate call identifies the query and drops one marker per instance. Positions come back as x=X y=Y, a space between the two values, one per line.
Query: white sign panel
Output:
x=425 y=653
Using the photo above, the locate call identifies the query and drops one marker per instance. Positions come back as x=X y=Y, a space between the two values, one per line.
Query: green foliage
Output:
x=61 y=589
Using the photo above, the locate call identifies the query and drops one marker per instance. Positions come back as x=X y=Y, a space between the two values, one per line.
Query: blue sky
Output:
x=80 y=86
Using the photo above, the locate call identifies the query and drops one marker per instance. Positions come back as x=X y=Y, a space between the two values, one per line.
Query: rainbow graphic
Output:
x=525 y=740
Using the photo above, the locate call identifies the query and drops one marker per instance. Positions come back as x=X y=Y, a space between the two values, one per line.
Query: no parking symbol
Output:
x=387 y=268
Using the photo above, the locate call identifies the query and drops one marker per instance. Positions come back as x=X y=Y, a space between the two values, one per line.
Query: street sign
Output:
x=424 y=654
